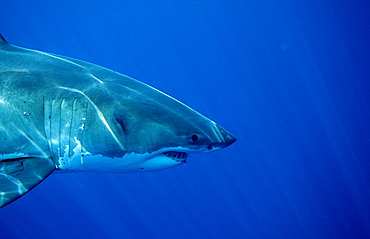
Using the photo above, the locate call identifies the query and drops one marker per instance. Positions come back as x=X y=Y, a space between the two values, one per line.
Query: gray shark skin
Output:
x=62 y=114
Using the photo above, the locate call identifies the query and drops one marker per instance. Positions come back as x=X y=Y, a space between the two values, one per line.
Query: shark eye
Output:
x=194 y=138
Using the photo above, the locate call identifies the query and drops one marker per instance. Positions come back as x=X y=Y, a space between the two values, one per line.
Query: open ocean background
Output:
x=289 y=78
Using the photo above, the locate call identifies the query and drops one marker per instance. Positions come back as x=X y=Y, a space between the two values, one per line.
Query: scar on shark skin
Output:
x=15 y=70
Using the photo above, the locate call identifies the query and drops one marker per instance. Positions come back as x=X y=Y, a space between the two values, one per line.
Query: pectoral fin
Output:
x=19 y=175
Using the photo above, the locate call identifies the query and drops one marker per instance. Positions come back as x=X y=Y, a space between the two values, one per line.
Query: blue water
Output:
x=289 y=78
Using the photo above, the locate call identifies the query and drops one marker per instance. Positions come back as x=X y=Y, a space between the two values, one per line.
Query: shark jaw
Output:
x=177 y=156
x=129 y=163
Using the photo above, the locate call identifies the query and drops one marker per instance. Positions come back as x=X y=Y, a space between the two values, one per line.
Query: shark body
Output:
x=62 y=114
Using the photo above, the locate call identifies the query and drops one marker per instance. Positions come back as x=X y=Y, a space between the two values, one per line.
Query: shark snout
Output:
x=225 y=138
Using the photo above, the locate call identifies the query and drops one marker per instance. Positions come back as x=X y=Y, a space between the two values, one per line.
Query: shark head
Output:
x=140 y=129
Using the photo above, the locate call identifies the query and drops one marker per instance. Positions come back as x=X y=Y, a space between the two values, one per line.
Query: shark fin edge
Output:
x=2 y=40
x=19 y=176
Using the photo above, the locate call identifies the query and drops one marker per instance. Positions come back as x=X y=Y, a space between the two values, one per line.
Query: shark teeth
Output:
x=178 y=156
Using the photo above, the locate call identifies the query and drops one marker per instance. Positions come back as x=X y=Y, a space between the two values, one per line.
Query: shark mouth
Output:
x=177 y=156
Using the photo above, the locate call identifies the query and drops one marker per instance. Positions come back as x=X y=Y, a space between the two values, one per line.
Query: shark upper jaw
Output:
x=170 y=157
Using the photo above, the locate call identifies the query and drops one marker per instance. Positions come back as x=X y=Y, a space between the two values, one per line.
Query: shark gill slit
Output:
x=70 y=128
x=52 y=122
x=98 y=111
x=60 y=128
x=83 y=125
x=48 y=109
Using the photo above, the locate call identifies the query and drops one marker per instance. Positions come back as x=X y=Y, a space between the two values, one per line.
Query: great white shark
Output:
x=62 y=114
